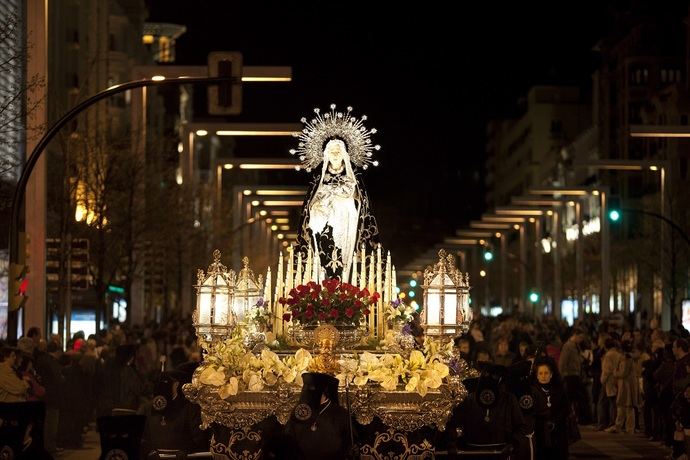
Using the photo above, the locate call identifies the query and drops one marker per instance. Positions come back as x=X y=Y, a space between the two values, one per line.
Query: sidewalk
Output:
x=619 y=446
x=90 y=451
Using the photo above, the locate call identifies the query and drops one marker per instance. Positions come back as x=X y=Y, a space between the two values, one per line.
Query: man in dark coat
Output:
x=319 y=426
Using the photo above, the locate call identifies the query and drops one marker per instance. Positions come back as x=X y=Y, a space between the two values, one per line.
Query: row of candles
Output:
x=368 y=271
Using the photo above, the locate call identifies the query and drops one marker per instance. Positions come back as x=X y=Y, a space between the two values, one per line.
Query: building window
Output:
x=164 y=53
x=684 y=119
x=639 y=75
x=112 y=43
x=670 y=75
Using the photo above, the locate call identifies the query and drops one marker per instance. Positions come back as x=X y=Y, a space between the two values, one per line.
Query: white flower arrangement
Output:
x=398 y=312
x=232 y=369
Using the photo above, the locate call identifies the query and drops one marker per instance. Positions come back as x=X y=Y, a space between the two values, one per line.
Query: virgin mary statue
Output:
x=335 y=220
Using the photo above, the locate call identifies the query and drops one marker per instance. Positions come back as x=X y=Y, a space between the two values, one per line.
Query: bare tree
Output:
x=19 y=98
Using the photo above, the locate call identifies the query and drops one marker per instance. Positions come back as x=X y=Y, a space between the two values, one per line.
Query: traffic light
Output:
x=413 y=283
x=225 y=98
x=614 y=209
x=488 y=255
x=18 y=284
x=534 y=296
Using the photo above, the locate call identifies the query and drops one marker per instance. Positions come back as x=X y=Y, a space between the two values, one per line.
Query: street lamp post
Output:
x=32 y=160
x=579 y=192
x=639 y=166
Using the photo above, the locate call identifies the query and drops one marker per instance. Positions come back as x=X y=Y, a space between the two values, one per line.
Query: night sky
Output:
x=428 y=79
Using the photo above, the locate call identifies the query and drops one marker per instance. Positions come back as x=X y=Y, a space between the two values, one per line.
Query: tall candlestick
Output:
x=316 y=266
x=372 y=286
x=387 y=280
x=290 y=278
x=353 y=281
x=267 y=287
x=307 y=269
x=363 y=276
x=394 y=284
x=279 y=328
x=379 y=279
x=298 y=275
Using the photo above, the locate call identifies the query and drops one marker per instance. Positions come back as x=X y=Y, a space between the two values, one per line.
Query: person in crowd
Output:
x=607 y=401
x=663 y=378
x=319 y=426
x=12 y=388
x=551 y=410
x=464 y=346
x=595 y=372
x=490 y=415
x=121 y=386
x=570 y=368
x=627 y=392
x=504 y=357
x=522 y=348
x=652 y=426
x=50 y=372
x=681 y=349
x=26 y=370
x=172 y=421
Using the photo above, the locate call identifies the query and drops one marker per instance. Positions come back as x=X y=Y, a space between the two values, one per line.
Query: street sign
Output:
x=225 y=98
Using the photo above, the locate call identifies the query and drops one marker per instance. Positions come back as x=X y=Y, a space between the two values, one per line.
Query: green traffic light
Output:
x=614 y=215
x=488 y=256
x=413 y=283
x=533 y=297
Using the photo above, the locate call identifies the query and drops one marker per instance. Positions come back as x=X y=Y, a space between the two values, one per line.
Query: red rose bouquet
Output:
x=329 y=302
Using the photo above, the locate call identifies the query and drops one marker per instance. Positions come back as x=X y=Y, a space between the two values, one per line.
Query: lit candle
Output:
x=372 y=309
x=290 y=278
x=267 y=287
x=279 y=329
x=298 y=276
x=387 y=280
x=379 y=279
x=363 y=276
x=353 y=281
x=394 y=284
x=307 y=269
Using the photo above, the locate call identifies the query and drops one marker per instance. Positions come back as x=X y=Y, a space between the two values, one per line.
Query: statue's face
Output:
x=334 y=153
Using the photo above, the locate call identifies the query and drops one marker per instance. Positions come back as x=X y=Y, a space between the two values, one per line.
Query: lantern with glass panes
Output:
x=214 y=318
x=247 y=291
x=447 y=309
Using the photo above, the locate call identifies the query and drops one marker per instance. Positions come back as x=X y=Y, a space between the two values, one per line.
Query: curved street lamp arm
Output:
x=31 y=161
x=673 y=225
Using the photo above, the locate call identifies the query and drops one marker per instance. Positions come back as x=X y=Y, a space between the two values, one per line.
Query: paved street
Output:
x=619 y=446
x=594 y=445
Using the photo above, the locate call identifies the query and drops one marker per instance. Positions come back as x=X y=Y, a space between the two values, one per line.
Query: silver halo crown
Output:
x=335 y=125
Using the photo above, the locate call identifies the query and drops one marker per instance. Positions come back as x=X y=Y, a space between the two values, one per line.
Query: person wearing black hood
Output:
x=319 y=426
x=551 y=411
x=172 y=421
x=489 y=416
x=520 y=385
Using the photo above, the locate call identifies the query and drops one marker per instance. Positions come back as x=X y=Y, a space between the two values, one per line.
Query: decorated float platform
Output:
x=332 y=307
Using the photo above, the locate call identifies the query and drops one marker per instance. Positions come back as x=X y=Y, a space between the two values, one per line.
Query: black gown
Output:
x=329 y=440
x=550 y=425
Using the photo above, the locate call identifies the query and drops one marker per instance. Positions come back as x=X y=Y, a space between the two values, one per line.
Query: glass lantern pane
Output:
x=220 y=280
x=433 y=304
x=450 y=308
x=221 y=310
x=204 y=305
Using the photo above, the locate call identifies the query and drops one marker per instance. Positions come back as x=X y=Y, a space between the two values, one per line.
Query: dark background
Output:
x=429 y=76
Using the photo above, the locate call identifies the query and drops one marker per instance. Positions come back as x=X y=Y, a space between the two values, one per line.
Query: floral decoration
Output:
x=332 y=301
